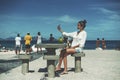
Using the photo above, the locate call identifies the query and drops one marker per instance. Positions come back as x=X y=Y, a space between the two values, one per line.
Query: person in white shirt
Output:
x=17 y=43
x=39 y=41
x=79 y=39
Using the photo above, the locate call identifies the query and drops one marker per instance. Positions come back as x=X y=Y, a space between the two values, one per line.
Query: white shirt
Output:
x=78 y=39
x=39 y=39
x=17 y=40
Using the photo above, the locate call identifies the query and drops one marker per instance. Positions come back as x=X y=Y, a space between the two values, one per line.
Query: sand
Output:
x=97 y=65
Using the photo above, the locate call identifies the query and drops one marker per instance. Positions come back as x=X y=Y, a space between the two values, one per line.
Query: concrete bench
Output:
x=25 y=62
x=51 y=64
x=78 y=61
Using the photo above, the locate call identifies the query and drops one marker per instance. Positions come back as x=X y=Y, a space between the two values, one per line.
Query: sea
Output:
x=90 y=44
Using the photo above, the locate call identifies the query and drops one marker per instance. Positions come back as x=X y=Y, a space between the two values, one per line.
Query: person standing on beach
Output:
x=97 y=43
x=28 y=40
x=51 y=38
x=17 y=44
x=79 y=39
x=0 y=46
x=38 y=40
x=103 y=44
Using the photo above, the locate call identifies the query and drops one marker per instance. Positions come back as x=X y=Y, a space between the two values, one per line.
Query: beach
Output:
x=97 y=65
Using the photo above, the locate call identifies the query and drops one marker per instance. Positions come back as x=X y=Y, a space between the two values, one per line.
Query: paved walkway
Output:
x=97 y=65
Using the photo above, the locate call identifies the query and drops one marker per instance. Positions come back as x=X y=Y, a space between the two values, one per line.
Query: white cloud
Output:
x=13 y=22
x=108 y=23
x=64 y=18
x=103 y=10
x=115 y=17
x=67 y=18
x=110 y=15
x=106 y=11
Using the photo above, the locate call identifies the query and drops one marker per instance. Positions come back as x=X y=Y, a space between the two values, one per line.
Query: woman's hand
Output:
x=59 y=28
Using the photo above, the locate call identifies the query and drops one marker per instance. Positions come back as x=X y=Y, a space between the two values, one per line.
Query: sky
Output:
x=22 y=16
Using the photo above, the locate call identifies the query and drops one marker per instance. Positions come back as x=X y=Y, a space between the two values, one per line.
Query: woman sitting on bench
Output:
x=79 y=39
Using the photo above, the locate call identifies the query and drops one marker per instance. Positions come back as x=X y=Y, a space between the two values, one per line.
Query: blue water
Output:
x=90 y=44
x=110 y=44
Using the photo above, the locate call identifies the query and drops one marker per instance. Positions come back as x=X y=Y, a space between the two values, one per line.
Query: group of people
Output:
x=27 y=39
x=77 y=45
x=98 y=41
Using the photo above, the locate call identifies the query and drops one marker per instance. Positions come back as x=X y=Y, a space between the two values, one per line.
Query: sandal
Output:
x=57 y=69
x=64 y=73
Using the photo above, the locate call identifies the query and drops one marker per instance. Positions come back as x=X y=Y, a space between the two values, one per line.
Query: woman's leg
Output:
x=68 y=51
x=65 y=63
x=60 y=61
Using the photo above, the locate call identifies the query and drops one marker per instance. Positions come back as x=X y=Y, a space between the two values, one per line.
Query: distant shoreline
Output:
x=90 y=44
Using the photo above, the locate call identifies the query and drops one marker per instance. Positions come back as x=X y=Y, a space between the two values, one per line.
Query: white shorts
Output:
x=78 y=50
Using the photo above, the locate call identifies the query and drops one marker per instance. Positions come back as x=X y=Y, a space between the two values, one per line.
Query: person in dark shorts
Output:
x=28 y=40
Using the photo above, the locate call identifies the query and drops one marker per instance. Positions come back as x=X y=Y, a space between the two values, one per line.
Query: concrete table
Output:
x=51 y=56
x=25 y=62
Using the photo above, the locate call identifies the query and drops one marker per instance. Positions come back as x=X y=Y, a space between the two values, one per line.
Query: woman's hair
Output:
x=83 y=23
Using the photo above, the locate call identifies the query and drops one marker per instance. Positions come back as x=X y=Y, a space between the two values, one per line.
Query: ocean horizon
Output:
x=90 y=44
